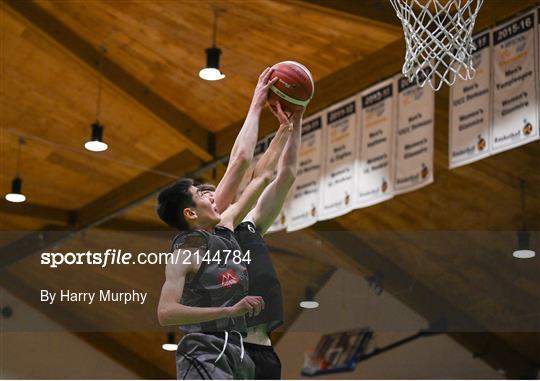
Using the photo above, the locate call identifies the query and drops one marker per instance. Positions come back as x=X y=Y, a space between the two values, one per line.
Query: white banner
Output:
x=304 y=197
x=339 y=159
x=470 y=109
x=414 y=138
x=375 y=152
x=515 y=109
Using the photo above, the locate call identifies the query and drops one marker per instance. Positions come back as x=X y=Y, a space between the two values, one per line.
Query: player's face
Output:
x=207 y=213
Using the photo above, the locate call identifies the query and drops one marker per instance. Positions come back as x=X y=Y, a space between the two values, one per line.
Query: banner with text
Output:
x=470 y=109
x=374 y=159
x=515 y=110
x=414 y=138
x=339 y=159
x=304 y=197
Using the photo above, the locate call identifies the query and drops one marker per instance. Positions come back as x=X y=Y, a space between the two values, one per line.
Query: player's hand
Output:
x=284 y=119
x=261 y=90
x=251 y=305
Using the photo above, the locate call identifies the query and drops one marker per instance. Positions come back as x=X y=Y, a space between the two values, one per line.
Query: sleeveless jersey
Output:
x=263 y=280
x=216 y=284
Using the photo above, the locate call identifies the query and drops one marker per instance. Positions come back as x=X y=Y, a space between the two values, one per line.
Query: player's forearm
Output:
x=250 y=196
x=269 y=161
x=240 y=159
x=288 y=164
x=179 y=314
x=246 y=140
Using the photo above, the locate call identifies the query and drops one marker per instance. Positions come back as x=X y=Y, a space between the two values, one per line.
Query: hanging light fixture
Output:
x=211 y=72
x=16 y=194
x=170 y=345
x=309 y=299
x=524 y=250
x=96 y=144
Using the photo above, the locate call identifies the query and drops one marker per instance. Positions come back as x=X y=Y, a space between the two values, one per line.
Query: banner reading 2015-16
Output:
x=304 y=197
x=414 y=137
x=515 y=101
x=375 y=153
x=470 y=109
x=339 y=160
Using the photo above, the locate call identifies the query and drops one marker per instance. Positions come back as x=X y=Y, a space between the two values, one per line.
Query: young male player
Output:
x=206 y=280
x=263 y=279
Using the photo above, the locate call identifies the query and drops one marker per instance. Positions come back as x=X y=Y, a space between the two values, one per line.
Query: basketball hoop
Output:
x=438 y=37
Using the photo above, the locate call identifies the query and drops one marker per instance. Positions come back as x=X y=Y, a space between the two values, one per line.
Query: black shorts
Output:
x=197 y=359
x=266 y=360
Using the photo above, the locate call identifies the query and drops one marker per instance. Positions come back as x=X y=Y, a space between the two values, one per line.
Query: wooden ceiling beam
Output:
x=195 y=136
x=45 y=212
x=103 y=208
x=423 y=300
x=73 y=324
x=380 y=11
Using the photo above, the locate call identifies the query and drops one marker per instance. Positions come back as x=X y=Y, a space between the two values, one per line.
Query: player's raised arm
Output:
x=244 y=145
x=262 y=176
x=274 y=196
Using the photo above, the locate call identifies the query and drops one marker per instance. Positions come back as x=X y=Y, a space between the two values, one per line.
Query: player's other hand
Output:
x=261 y=90
x=284 y=119
x=251 y=305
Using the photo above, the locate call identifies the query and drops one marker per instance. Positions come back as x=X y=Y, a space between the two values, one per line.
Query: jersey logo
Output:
x=228 y=279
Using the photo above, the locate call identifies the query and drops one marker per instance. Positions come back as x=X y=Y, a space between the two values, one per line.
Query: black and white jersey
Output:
x=263 y=280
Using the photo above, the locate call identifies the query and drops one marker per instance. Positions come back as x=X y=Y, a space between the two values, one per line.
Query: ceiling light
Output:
x=524 y=250
x=16 y=194
x=170 y=345
x=211 y=72
x=309 y=299
x=96 y=144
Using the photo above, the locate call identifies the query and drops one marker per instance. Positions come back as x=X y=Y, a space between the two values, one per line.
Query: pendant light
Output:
x=211 y=72
x=171 y=344
x=16 y=194
x=524 y=250
x=96 y=144
x=309 y=301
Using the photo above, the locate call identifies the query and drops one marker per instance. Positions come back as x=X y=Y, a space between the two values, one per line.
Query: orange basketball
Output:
x=294 y=88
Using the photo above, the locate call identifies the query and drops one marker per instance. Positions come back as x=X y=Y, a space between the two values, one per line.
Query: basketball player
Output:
x=205 y=291
x=263 y=279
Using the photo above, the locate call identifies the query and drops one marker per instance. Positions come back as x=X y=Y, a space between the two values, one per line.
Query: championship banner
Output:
x=375 y=158
x=339 y=160
x=515 y=100
x=303 y=205
x=260 y=147
x=414 y=137
x=470 y=109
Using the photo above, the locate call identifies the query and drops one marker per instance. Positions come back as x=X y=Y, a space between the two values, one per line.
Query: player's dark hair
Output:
x=172 y=201
x=206 y=187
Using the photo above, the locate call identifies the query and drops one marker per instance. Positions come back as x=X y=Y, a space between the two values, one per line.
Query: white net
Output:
x=438 y=37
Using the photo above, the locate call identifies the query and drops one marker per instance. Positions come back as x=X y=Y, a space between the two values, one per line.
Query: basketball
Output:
x=294 y=88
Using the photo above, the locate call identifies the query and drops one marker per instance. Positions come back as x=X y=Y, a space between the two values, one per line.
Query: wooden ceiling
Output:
x=161 y=121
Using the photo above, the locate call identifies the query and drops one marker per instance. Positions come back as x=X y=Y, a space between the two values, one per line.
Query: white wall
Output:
x=50 y=352
x=346 y=302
